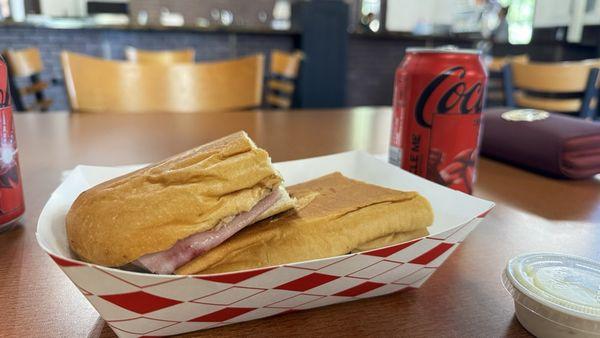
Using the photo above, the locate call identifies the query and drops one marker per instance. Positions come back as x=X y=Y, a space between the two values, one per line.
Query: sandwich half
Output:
x=163 y=216
x=335 y=215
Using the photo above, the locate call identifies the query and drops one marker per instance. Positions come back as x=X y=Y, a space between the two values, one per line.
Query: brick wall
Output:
x=109 y=43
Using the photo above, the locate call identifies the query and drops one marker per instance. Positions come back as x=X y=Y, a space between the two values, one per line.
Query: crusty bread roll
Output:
x=335 y=215
x=149 y=210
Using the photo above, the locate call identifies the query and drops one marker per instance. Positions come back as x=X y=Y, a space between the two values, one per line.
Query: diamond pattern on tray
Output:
x=140 y=325
x=359 y=289
x=265 y=298
x=374 y=270
x=97 y=282
x=394 y=274
x=349 y=265
x=140 y=301
x=324 y=302
x=229 y=296
x=414 y=250
x=319 y=263
x=180 y=328
x=259 y=313
x=137 y=304
x=384 y=290
x=236 y=277
x=275 y=277
x=63 y=262
x=335 y=286
x=307 y=282
x=123 y=334
x=183 y=312
x=295 y=301
x=386 y=252
x=186 y=289
x=441 y=258
x=222 y=315
x=113 y=312
x=415 y=277
x=140 y=279
x=433 y=253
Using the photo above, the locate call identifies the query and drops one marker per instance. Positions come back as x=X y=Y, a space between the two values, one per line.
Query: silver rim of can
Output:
x=449 y=49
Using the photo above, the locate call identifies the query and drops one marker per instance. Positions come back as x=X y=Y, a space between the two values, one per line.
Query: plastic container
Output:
x=555 y=295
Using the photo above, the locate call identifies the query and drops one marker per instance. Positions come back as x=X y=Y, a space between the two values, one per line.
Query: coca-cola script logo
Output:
x=458 y=95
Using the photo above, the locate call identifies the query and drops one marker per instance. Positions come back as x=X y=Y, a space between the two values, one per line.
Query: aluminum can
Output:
x=12 y=205
x=438 y=100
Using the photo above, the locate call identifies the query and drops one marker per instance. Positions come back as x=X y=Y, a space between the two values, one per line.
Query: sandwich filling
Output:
x=184 y=250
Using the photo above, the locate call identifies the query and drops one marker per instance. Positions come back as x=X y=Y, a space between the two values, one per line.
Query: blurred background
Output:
x=346 y=51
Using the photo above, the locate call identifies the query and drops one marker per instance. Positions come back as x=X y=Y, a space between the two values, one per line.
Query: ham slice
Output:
x=184 y=250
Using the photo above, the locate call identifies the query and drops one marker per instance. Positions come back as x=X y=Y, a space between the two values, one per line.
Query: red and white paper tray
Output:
x=138 y=304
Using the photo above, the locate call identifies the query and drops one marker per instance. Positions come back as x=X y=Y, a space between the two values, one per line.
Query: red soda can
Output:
x=438 y=99
x=12 y=205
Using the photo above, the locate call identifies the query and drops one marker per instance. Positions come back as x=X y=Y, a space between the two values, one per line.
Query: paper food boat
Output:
x=136 y=304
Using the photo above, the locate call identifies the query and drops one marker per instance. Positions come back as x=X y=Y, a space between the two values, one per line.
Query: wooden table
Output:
x=464 y=298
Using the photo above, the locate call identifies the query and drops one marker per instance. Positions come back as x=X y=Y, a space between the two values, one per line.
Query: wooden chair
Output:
x=97 y=85
x=282 y=76
x=495 y=88
x=498 y=62
x=566 y=87
x=162 y=56
x=27 y=63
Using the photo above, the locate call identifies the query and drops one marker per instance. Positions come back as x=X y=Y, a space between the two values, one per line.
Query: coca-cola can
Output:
x=12 y=205
x=438 y=99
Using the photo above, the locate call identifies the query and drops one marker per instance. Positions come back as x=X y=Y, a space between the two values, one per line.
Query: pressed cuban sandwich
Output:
x=165 y=215
x=335 y=215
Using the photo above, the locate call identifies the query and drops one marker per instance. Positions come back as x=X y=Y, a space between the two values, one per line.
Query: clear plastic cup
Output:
x=555 y=295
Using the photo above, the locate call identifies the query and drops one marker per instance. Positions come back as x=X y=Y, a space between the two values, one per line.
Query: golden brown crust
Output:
x=394 y=238
x=335 y=216
x=150 y=209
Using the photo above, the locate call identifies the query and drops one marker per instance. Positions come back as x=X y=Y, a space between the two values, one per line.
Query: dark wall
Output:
x=372 y=63
x=110 y=43
x=550 y=45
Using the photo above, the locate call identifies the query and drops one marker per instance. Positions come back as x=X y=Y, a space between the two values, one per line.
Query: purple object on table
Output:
x=558 y=146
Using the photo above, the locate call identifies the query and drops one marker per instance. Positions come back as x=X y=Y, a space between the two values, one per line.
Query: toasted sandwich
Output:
x=335 y=215
x=165 y=215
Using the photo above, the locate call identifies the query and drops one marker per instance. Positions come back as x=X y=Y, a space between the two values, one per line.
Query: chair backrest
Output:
x=568 y=86
x=498 y=62
x=161 y=56
x=283 y=72
x=27 y=63
x=559 y=77
x=97 y=85
x=495 y=88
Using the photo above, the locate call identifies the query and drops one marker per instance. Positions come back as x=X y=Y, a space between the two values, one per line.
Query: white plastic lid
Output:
x=561 y=288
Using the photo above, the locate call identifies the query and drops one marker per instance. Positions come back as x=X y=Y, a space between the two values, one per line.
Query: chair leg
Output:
x=507 y=84
x=589 y=94
x=39 y=95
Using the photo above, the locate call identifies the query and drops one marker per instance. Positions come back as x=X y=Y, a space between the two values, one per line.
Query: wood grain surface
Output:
x=463 y=298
